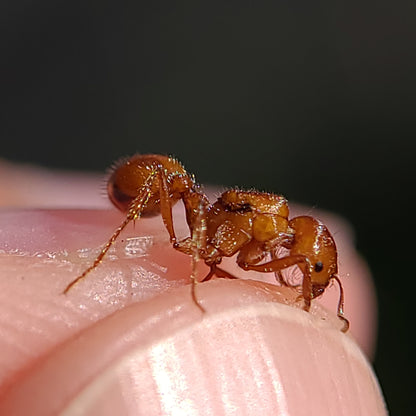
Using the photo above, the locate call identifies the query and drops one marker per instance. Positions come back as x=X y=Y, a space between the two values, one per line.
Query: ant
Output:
x=254 y=225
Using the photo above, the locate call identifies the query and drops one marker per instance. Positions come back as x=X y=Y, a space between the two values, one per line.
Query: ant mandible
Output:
x=253 y=224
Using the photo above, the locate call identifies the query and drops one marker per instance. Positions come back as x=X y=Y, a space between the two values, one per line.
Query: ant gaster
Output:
x=253 y=224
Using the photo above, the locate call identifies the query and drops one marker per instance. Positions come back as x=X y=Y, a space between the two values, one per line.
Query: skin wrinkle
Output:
x=249 y=314
x=273 y=375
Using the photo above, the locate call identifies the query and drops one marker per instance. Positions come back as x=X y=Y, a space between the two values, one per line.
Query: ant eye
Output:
x=319 y=266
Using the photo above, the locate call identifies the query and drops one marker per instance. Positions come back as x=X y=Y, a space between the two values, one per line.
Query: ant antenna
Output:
x=340 y=309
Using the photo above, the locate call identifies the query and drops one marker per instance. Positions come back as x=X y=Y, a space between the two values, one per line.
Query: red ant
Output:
x=253 y=224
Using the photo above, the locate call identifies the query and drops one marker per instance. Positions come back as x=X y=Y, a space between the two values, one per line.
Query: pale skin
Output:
x=114 y=315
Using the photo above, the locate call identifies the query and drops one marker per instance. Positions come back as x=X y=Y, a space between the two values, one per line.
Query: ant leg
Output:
x=307 y=289
x=279 y=264
x=274 y=265
x=340 y=310
x=184 y=246
x=193 y=245
x=252 y=253
x=214 y=269
x=133 y=213
x=187 y=246
x=279 y=278
x=165 y=204
x=196 y=205
x=279 y=275
x=223 y=273
x=193 y=289
x=196 y=242
x=210 y=273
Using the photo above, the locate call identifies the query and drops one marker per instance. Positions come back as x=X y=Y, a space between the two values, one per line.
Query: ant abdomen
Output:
x=130 y=175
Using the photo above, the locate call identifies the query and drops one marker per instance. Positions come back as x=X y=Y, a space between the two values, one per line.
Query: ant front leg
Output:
x=281 y=280
x=195 y=206
x=255 y=251
x=306 y=285
x=217 y=271
x=274 y=249
x=279 y=264
x=188 y=246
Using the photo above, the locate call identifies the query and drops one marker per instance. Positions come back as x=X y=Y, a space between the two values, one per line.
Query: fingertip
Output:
x=253 y=351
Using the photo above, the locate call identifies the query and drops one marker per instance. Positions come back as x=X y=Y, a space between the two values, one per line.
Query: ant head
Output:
x=322 y=269
x=318 y=289
x=314 y=241
x=322 y=272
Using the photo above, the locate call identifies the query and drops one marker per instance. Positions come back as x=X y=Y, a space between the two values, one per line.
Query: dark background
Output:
x=315 y=100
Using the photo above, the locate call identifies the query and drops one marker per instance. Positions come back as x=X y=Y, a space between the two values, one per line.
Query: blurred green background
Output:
x=315 y=100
